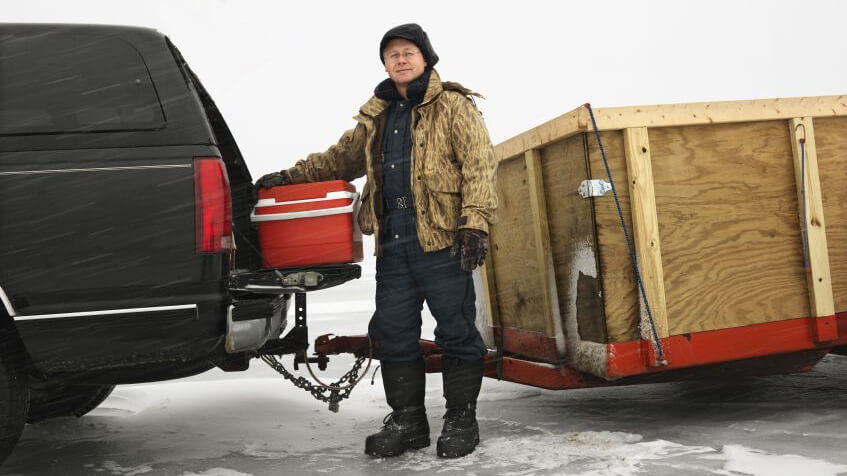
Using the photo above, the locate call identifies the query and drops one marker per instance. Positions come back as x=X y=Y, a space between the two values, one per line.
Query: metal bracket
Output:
x=297 y=339
x=594 y=188
x=308 y=279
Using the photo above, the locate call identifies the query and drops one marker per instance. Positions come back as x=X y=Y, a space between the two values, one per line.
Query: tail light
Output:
x=212 y=206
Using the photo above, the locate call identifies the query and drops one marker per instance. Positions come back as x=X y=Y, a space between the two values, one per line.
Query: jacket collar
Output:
x=433 y=89
x=375 y=106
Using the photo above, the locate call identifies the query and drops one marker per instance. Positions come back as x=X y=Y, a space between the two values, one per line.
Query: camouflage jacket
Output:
x=453 y=165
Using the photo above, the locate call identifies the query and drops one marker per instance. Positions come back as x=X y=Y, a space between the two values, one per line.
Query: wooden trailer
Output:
x=737 y=217
x=737 y=213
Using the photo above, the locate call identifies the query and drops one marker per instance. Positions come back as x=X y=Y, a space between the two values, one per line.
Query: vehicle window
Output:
x=63 y=82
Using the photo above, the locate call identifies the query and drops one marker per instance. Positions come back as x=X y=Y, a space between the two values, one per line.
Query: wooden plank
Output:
x=516 y=275
x=541 y=232
x=562 y=127
x=646 y=229
x=831 y=145
x=666 y=115
x=618 y=280
x=728 y=218
x=811 y=210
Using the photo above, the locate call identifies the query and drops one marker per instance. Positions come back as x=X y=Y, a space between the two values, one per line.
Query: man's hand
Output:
x=274 y=179
x=473 y=246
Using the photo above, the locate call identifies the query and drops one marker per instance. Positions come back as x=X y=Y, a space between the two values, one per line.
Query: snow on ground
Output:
x=255 y=423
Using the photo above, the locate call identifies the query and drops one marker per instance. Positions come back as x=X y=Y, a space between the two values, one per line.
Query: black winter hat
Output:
x=414 y=33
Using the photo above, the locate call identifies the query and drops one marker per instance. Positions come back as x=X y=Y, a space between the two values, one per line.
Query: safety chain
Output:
x=331 y=394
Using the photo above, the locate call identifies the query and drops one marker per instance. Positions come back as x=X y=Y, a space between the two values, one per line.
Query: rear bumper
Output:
x=250 y=323
x=291 y=280
x=253 y=318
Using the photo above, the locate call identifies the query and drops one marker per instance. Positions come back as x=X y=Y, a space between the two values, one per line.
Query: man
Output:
x=429 y=199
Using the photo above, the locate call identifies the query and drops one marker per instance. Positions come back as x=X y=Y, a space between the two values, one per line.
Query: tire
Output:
x=14 y=394
x=56 y=399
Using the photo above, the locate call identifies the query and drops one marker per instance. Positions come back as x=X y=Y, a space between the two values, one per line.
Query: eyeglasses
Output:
x=406 y=55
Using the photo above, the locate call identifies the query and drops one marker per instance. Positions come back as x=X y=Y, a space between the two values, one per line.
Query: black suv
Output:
x=126 y=249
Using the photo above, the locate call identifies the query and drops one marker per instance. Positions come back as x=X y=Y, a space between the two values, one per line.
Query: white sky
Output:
x=290 y=76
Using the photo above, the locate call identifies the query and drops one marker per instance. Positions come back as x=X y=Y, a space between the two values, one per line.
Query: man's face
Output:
x=404 y=62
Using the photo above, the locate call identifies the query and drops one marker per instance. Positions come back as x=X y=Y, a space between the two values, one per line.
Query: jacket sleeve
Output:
x=475 y=154
x=343 y=161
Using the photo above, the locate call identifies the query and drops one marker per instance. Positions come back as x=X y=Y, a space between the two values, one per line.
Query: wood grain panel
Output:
x=572 y=238
x=618 y=280
x=727 y=208
x=519 y=291
x=831 y=138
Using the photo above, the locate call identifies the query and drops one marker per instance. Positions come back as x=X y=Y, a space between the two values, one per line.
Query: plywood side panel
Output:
x=831 y=138
x=619 y=286
x=727 y=208
x=572 y=240
x=520 y=293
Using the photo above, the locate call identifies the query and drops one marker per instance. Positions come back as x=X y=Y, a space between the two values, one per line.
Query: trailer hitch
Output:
x=319 y=359
x=297 y=342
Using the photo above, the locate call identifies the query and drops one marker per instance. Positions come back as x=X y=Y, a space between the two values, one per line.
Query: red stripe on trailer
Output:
x=841 y=319
x=724 y=345
x=786 y=346
x=529 y=344
x=825 y=329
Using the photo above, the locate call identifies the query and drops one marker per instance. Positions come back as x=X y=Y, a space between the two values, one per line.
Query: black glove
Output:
x=274 y=179
x=473 y=245
x=271 y=180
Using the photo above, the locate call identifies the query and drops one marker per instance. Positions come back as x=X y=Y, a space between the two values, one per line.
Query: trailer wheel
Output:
x=56 y=399
x=14 y=395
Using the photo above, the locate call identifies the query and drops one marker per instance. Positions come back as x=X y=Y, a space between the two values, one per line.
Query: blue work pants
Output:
x=406 y=276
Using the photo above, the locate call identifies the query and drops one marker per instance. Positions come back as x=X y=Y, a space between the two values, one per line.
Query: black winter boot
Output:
x=462 y=381
x=406 y=428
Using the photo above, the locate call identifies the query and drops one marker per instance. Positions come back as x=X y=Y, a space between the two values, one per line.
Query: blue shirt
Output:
x=397 y=152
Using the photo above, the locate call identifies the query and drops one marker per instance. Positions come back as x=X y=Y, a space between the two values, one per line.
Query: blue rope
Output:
x=629 y=244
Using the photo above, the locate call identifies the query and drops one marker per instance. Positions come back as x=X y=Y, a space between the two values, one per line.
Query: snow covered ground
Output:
x=255 y=423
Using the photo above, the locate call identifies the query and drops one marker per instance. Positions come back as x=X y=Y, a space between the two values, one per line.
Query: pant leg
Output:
x=449 y=293
x=396 y=324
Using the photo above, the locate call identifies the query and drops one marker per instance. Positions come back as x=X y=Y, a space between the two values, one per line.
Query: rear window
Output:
x=64 y=82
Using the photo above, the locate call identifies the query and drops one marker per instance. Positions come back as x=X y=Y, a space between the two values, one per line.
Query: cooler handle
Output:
x=271 y=202
x=308 y=213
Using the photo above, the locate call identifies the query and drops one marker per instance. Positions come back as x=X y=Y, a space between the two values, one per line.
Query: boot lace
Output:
x=390 y=422
x=458 y=418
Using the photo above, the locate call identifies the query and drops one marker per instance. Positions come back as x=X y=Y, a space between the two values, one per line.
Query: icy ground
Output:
x=254 y=423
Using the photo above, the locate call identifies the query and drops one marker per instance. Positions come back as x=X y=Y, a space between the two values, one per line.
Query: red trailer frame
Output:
x=762 y=349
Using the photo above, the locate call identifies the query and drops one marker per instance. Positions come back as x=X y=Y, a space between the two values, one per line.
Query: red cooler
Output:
x=308 y=224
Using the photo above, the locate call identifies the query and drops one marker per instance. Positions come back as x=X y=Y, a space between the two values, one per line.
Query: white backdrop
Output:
x=289 y=76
